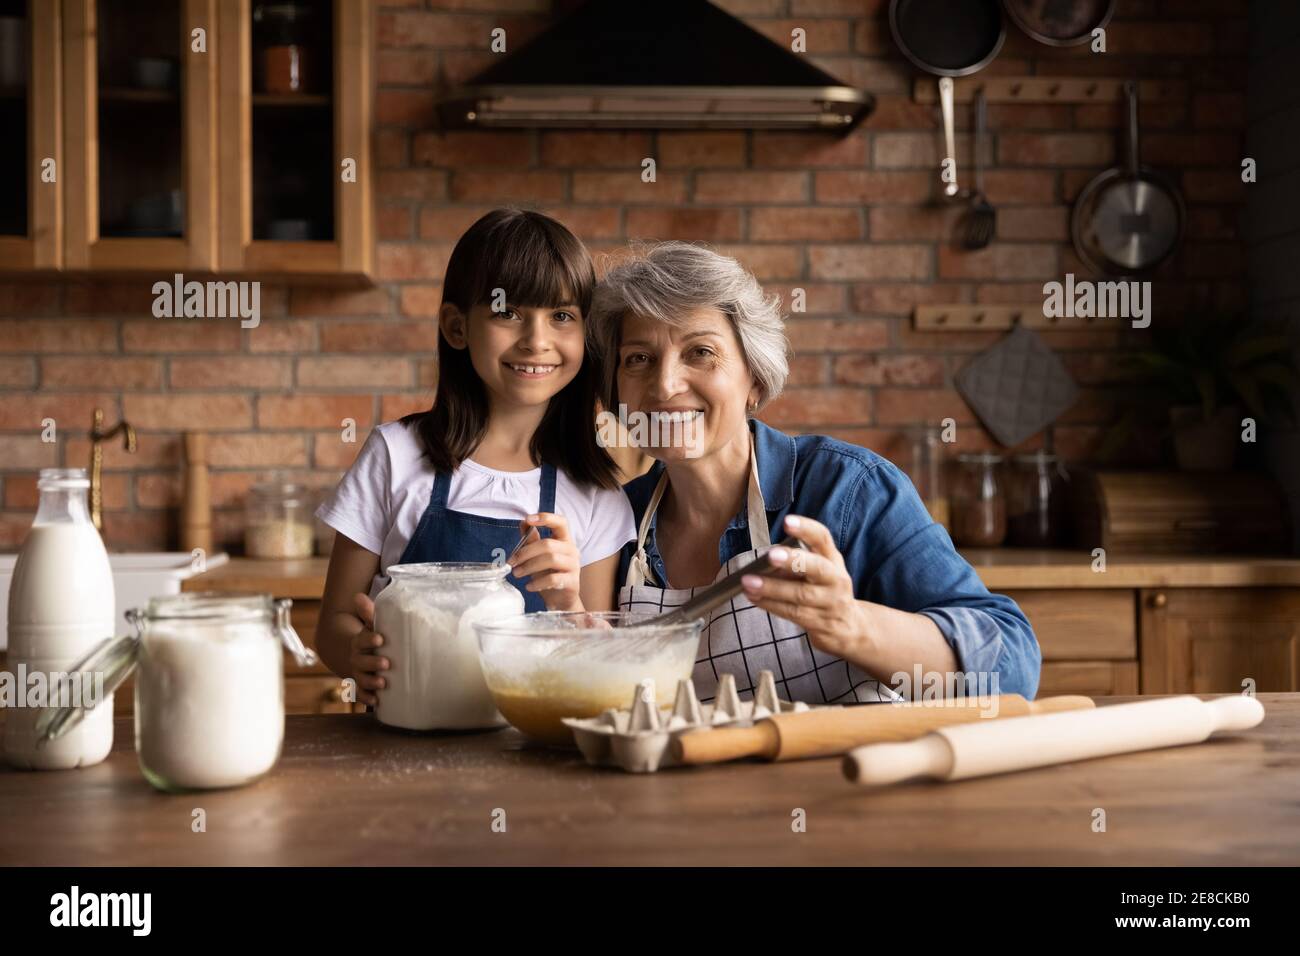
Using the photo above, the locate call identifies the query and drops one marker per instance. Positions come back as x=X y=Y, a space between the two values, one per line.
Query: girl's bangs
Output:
x=537 y=270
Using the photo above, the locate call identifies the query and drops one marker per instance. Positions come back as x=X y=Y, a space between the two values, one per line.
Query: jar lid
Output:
x=288 y=493
x=281 y=11
x=209 y=605
x=448 y=572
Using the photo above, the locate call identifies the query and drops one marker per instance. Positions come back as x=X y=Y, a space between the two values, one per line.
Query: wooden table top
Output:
x=349 y=791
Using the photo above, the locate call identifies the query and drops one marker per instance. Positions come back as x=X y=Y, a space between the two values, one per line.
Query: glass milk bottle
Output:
x=61 y=605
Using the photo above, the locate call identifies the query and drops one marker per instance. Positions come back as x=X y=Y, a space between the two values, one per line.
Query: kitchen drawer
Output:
x=124 y=698
x=303 y=694
x=1077 y=625
x=315 y=695
x=1091 y=678
x=303 y=616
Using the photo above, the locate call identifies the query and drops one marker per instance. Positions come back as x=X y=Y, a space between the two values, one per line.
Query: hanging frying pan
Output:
x=1060 y=22
x=1129 y=219
x=948 y=38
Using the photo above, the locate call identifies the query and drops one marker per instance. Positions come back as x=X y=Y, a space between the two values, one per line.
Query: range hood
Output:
x=661 y=65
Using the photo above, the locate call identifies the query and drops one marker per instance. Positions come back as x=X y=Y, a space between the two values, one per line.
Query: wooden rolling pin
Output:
x=955 y=753
x=835 y=730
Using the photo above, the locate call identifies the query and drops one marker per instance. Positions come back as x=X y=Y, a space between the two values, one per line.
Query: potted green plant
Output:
x=1210 y=371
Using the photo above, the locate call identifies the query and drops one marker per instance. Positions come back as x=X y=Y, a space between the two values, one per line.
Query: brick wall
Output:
x=850 y=220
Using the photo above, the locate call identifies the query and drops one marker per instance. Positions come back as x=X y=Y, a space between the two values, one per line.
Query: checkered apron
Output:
x=744 y=640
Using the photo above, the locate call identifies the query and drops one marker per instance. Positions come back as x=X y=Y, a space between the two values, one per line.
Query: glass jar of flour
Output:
x=426 y=617
x=209 y=687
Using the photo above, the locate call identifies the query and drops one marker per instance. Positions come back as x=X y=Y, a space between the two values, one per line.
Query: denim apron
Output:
x=742 y=639
x=444 y=535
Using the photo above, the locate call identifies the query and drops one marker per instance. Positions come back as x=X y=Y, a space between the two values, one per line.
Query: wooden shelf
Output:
x=126 y=94
x=299 y=100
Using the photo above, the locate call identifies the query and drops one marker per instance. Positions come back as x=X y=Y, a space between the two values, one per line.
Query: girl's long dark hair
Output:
x=539 y=264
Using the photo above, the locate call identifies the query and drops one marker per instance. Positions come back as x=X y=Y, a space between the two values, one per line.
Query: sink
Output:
x=136 y=578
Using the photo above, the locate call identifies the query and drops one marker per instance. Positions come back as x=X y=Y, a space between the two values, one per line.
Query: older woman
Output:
x=691 y=340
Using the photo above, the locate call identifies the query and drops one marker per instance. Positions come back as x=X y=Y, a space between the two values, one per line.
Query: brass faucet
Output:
x=97 y=437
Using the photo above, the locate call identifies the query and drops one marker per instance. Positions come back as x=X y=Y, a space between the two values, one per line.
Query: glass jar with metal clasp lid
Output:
x=1035 y=500
x=278 y=520
x=209 y=687
x=979 y=511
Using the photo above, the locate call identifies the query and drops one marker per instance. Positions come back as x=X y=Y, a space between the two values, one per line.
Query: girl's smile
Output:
x=530 y=370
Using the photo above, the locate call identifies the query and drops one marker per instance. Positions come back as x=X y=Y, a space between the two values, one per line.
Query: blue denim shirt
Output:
x=894 y=552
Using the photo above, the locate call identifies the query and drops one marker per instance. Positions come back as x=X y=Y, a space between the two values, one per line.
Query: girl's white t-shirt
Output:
x=380 y=501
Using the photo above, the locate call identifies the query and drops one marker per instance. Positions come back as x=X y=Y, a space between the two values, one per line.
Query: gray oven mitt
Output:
x=1017 y=387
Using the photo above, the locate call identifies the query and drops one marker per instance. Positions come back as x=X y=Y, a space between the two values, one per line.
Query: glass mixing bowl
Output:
x=544 y=666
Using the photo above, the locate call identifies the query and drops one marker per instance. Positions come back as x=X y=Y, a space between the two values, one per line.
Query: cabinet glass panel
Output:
x=293 y=163
x=141 y=178
x=15 y=163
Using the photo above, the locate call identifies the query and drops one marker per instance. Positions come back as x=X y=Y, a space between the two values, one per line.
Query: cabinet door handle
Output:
x=1159 y=600
x=334 y=695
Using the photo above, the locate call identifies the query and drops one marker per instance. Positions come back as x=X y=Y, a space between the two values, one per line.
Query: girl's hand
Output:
x=813 y=590
x=552 y=564
x=366 y=661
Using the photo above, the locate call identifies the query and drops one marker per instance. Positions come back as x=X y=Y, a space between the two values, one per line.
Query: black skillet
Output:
x=948 y=38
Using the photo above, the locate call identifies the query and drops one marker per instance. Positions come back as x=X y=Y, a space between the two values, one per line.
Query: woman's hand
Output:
x=553 y=565
x=367 y=663
x=813 y=590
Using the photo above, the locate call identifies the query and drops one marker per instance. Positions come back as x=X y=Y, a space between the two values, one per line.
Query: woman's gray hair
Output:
x=665 y=280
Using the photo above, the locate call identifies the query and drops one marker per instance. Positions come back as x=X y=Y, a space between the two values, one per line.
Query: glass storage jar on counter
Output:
x=209 y=687
x=927 y=475
x=426 y=615
x=279 y=522
x=979 y=511
x=1035 y=497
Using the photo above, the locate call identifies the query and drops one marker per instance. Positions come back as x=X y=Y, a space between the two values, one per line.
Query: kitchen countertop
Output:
x=348 y=791
x=298 y=578
x=1006 y=569
x=1001 y=569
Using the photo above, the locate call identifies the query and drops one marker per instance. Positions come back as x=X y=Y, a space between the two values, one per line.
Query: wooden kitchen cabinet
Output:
x=1088 y=639
x=296 y=165
x=304 y=693
x=311 y=690
x=140 y=125
x=31 y=102
x=1210 y=640
x=170 y=153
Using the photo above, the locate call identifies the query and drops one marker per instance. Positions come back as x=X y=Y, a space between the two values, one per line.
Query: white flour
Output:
x=209 y=704
x=434 y=680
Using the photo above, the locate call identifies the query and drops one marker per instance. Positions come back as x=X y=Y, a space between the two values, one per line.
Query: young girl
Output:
x=511 y=436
